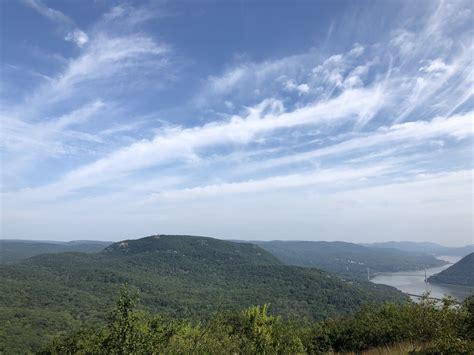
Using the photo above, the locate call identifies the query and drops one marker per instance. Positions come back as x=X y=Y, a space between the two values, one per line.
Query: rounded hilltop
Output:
x=204 y=248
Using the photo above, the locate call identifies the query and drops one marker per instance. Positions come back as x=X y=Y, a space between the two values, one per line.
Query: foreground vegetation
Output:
x=446 y=329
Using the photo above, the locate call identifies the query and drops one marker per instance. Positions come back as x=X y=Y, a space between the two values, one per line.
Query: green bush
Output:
x=445 y=329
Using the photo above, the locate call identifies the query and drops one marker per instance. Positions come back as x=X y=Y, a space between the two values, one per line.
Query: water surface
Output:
x=414 y=282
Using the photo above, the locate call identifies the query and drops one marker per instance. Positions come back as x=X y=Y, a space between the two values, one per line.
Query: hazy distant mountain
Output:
x=425 y=247
x=347 y=259
x=12 y=250
x=460 y=273
x=182 y=275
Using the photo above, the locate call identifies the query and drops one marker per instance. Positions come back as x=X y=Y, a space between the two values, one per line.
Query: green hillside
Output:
x=461 y=273
x=182 y=276
x=348 y=260
x=15 y=250
x=189 y=249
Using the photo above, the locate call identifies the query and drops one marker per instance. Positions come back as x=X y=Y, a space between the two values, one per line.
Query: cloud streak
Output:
x=183 y=144
x=73 y=33
x=333 y=176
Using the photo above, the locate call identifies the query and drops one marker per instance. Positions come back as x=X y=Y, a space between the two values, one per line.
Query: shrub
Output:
x=445 y=329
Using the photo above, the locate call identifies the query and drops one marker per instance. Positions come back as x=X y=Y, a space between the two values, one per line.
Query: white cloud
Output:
x=105 y=56
x=340 y=71
x=127 y=17
x=404 y=41
x=256 y=81
x=413 y=133
x=52 y=14
x=48 y=136
x=437 y=83
x=228 y=81
x=303 y=88
x=177 y=144
x=333 y=176
x=99 y=63
x=77 y=36
x=251 y=80
x=355 y=77
x=73 y=34
x=114 y=49
x=435 y=66
x=357 y=50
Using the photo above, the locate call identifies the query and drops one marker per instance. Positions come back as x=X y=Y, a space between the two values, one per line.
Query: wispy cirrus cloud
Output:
x=18 y=135
x=184 y=144
x=347 y=97
x=104 y=60
x=257 y=80
x=50 y=13
x=55 y=117
x=333 y=176
x=67 y=25
x=457 y=127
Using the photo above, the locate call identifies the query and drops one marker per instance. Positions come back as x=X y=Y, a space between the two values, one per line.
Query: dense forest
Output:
x=461 y=273
x=417 y=328
x=180 y=276
x=348 y=260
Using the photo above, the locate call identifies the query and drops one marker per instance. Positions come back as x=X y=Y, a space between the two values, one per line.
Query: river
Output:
x=414 y=282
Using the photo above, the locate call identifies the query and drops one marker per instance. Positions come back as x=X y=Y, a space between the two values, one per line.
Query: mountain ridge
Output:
x=460 y=273
x=348 y=260
x=425 y=247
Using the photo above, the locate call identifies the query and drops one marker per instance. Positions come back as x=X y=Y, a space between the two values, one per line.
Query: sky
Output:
x=255 y=120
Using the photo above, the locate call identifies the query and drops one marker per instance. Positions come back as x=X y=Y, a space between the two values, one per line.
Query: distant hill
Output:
x=203 y=249
x=12 y=250
x=184 y=276
x=425 y=247
x=460 y=273
x=348 y=260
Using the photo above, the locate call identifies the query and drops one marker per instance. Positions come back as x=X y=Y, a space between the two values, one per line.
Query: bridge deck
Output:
x=421 y=296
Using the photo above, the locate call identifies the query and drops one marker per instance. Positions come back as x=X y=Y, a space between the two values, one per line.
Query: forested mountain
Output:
x=12 y=250
x=183 y=276
x=425 y=247
x=348 y=260
x=460 y=273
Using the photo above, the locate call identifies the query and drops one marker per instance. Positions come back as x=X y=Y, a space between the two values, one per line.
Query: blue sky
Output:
x=316 y=120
